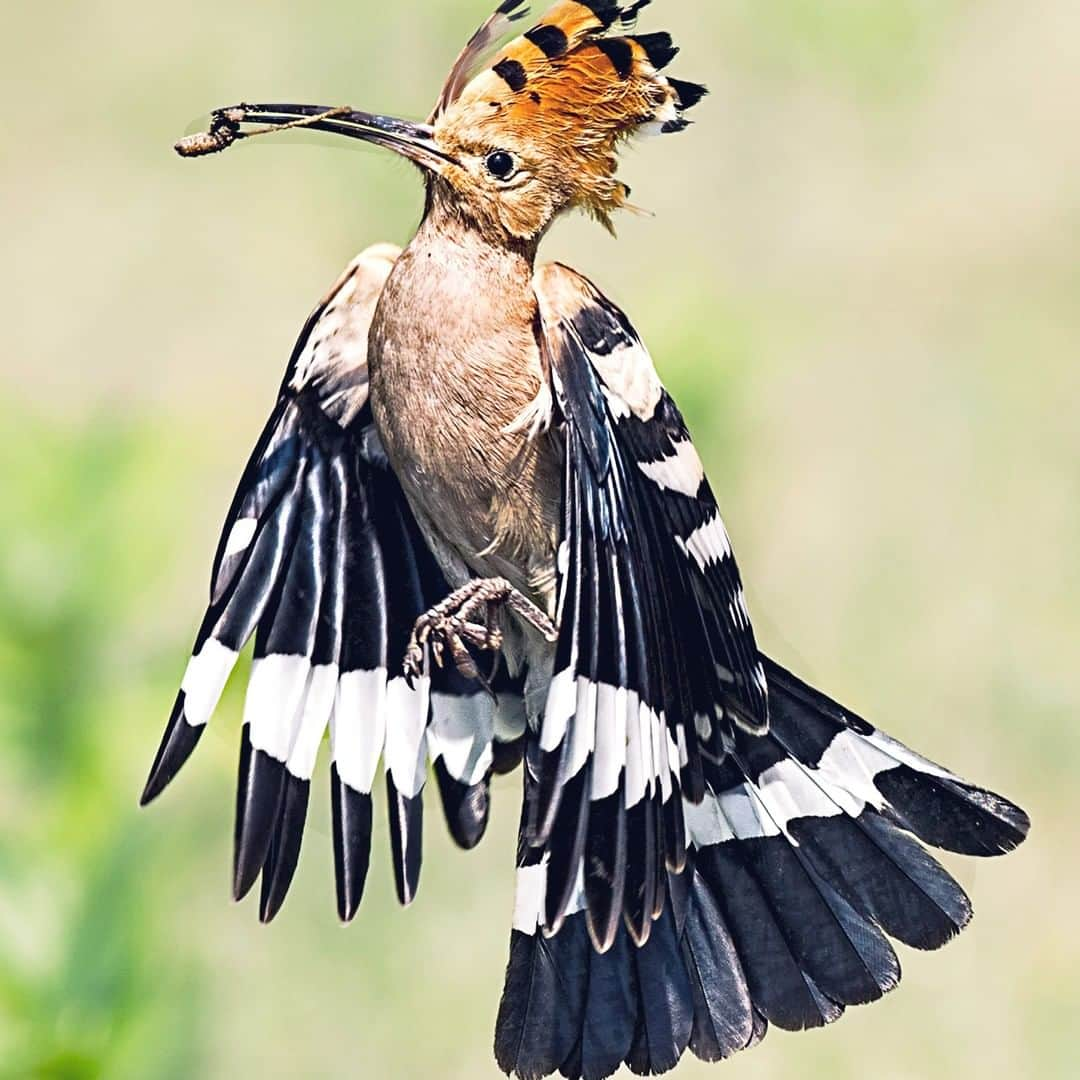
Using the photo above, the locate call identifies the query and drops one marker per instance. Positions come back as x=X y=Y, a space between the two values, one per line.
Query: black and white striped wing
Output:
x=321 y=561
x=649 y=920
x=656 y=660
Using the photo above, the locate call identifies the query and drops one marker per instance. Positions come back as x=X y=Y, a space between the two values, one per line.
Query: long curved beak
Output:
x=412 y=140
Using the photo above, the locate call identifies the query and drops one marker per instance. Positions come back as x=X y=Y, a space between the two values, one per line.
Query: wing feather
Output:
x=643 y=619
x=321 y=561
x=768 y=837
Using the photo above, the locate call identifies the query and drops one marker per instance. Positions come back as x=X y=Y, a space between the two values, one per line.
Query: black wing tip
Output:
x=284 y=851
x=640 y=892
x=639 y=927
x=406 y=834
x=351 y=812
x=177 y=744
x=546 y=795
x=603 y=912
x=506 y=756
x=259 y=792
x=271 y=899
x=567 y=849
x=466 y=807
x=605 y=868
x=603 y=933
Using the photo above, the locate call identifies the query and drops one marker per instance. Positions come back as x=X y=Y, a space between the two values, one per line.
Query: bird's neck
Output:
x=456 y=307
x=444 y=230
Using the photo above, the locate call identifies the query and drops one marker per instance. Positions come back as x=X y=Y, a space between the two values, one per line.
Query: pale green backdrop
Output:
x=861 y=281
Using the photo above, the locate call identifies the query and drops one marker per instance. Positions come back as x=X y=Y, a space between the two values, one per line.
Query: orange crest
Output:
x=568 y=91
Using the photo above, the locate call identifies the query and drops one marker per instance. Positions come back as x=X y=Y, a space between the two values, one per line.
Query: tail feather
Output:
x=881 y=871
x=948 y=814
x=611 y=1012
x=543 y=1003
x=832 y=942
x=939 y=807
x=802 y=856
x=889 y=877
x=665 y=1002
x=641 y=1006
x=723 y=1013
x=780 y=988
x=844 y=955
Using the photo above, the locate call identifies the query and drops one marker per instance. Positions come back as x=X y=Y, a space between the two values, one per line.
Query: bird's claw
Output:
x=439 y=633
x=468 y=617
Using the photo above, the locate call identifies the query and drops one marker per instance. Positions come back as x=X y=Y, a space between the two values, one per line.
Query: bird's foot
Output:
x=468 y=616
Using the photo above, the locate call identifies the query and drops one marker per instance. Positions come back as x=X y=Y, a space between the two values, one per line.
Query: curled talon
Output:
x=413 y=665
x=469 y=617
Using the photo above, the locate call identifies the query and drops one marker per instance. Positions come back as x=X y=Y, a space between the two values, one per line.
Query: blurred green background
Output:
x=861 y=281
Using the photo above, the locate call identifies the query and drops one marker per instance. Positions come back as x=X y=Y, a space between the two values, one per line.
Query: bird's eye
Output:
x=500 y=164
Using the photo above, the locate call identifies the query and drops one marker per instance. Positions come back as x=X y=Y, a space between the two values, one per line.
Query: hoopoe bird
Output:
x=475 y=532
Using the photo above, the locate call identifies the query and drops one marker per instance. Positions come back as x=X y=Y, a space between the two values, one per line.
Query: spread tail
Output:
x=802 y=856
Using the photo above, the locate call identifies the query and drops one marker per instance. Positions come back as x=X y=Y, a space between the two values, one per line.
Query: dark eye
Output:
x=500 y=164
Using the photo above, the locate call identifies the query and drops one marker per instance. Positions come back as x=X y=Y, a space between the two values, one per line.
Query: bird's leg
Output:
x=468 y=617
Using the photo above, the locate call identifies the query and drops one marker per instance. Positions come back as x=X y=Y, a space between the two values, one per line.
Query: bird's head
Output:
x=538 y=129
x=516 y=139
